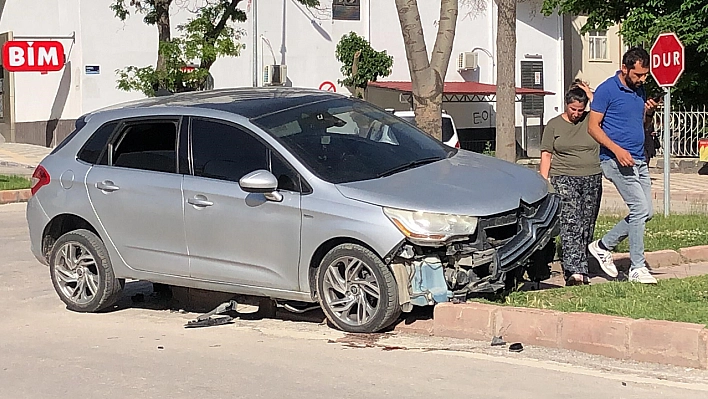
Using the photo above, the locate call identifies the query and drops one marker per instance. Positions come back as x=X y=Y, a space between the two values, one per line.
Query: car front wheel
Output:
x=81 y=272
x=356 y=290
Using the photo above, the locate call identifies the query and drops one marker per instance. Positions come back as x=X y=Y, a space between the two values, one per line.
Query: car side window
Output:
x=148 y=145
x=288 y=179
x=92 y=149
x=224 y=152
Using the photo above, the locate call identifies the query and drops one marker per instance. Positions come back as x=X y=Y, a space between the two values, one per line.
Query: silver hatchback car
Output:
x=290 y=194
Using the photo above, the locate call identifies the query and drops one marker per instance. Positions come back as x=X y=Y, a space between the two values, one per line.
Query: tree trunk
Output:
x=215 y=31
x=358 y=91
x=506 y=79
x=162 y=9
x=427 y=77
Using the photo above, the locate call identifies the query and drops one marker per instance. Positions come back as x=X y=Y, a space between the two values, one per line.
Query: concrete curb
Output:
x=17 y=165
x=665 y=342
x=676 y=196
x=666 y=257
x=11 y=196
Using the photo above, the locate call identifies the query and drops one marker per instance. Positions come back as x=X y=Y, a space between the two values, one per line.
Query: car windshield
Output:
x=447 y=129
x=346 y=140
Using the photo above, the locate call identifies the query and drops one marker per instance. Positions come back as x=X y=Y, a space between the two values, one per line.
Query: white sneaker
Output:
x=603 y=257
x=641 y=275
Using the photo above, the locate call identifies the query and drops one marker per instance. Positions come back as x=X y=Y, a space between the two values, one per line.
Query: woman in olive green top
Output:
x=570 y=160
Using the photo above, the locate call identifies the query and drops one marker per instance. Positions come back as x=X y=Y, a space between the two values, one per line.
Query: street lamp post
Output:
x=491 y=57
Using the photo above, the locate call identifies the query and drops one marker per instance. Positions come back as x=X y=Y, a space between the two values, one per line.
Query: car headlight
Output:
x=425 y=227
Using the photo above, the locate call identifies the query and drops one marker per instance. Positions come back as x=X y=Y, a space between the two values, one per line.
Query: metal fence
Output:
x=686 y=127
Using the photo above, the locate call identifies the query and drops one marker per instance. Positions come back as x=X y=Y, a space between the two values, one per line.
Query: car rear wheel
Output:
x=81 y=272
x=356 y=290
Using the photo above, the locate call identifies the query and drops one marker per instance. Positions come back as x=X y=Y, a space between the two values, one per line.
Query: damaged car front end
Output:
x=477 y=255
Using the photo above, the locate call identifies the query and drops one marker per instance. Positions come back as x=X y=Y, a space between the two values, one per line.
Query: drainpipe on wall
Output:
x=493 y=41
x=368 y=22
x=254 y=16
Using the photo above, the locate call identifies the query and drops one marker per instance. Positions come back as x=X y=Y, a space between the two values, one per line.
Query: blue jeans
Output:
x=634 y=185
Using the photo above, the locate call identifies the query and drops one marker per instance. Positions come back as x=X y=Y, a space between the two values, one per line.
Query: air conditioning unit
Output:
x=275 y=75
x=467 y=60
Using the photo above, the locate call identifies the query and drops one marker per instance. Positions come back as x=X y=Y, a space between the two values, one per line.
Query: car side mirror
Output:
x=261 y=182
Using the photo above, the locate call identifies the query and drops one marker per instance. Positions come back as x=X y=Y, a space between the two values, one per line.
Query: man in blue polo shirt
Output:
x=617 y=115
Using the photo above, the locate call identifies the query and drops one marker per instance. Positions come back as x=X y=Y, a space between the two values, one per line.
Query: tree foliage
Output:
x=371 y=64
x=121 y=8
x=189 y=56
x=643 y=21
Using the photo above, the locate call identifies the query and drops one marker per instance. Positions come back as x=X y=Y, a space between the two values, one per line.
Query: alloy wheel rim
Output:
x=76 y=273
x=351 y=291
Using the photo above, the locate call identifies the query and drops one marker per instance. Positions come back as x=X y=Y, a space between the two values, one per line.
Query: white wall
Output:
x=112 y=44
x=55 y=94
x=537 y=34
x=305 y=40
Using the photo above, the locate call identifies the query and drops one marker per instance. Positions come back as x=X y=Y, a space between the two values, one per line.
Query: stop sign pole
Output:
x=667 y=65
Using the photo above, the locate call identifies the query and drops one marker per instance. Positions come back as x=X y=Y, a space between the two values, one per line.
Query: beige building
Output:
x=593 y=56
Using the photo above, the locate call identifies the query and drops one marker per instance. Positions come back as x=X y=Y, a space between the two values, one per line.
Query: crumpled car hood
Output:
x=467 y=184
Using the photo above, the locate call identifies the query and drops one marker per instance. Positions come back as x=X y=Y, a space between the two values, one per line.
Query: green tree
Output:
x=156 y=12
x=641 y=23
x=361 y=64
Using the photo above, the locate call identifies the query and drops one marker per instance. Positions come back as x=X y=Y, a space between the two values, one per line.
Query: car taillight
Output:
x=40 y=178
x=457 y=145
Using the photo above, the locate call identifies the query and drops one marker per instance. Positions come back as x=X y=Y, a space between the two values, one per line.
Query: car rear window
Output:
x=91 y=151
x=80 y=123
x=447 y=129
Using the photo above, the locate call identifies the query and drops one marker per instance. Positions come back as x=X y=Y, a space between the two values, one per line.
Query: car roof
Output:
x=248 y=102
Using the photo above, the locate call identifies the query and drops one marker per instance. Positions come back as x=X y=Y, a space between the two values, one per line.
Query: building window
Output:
x=347 y=10
x=598 y=44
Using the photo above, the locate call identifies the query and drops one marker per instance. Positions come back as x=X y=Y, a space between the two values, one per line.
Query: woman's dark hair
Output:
x=576 y=94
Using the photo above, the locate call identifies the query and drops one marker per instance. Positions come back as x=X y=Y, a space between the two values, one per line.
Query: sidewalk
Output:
x=20 y=159
x=689 y=194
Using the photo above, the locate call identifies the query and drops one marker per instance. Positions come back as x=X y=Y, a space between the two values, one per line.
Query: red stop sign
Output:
x=667 y=59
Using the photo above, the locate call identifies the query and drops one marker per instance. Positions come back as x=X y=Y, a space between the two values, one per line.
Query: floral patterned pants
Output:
x=579 y=208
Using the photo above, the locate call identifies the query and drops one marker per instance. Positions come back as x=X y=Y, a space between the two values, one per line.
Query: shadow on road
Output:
x=158 y=297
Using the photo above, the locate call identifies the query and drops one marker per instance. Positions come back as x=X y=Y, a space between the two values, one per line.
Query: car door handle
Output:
x=107 y=186
x=200 y=200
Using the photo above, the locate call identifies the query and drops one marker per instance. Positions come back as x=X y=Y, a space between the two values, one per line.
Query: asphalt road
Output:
x=142 y=350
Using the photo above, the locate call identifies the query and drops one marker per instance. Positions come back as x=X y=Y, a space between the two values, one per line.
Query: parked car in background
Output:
x=449 y=131
x=291 y=194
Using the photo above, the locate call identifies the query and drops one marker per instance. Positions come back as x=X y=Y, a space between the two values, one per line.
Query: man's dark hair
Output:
x=633 y=55
x=576 y=94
